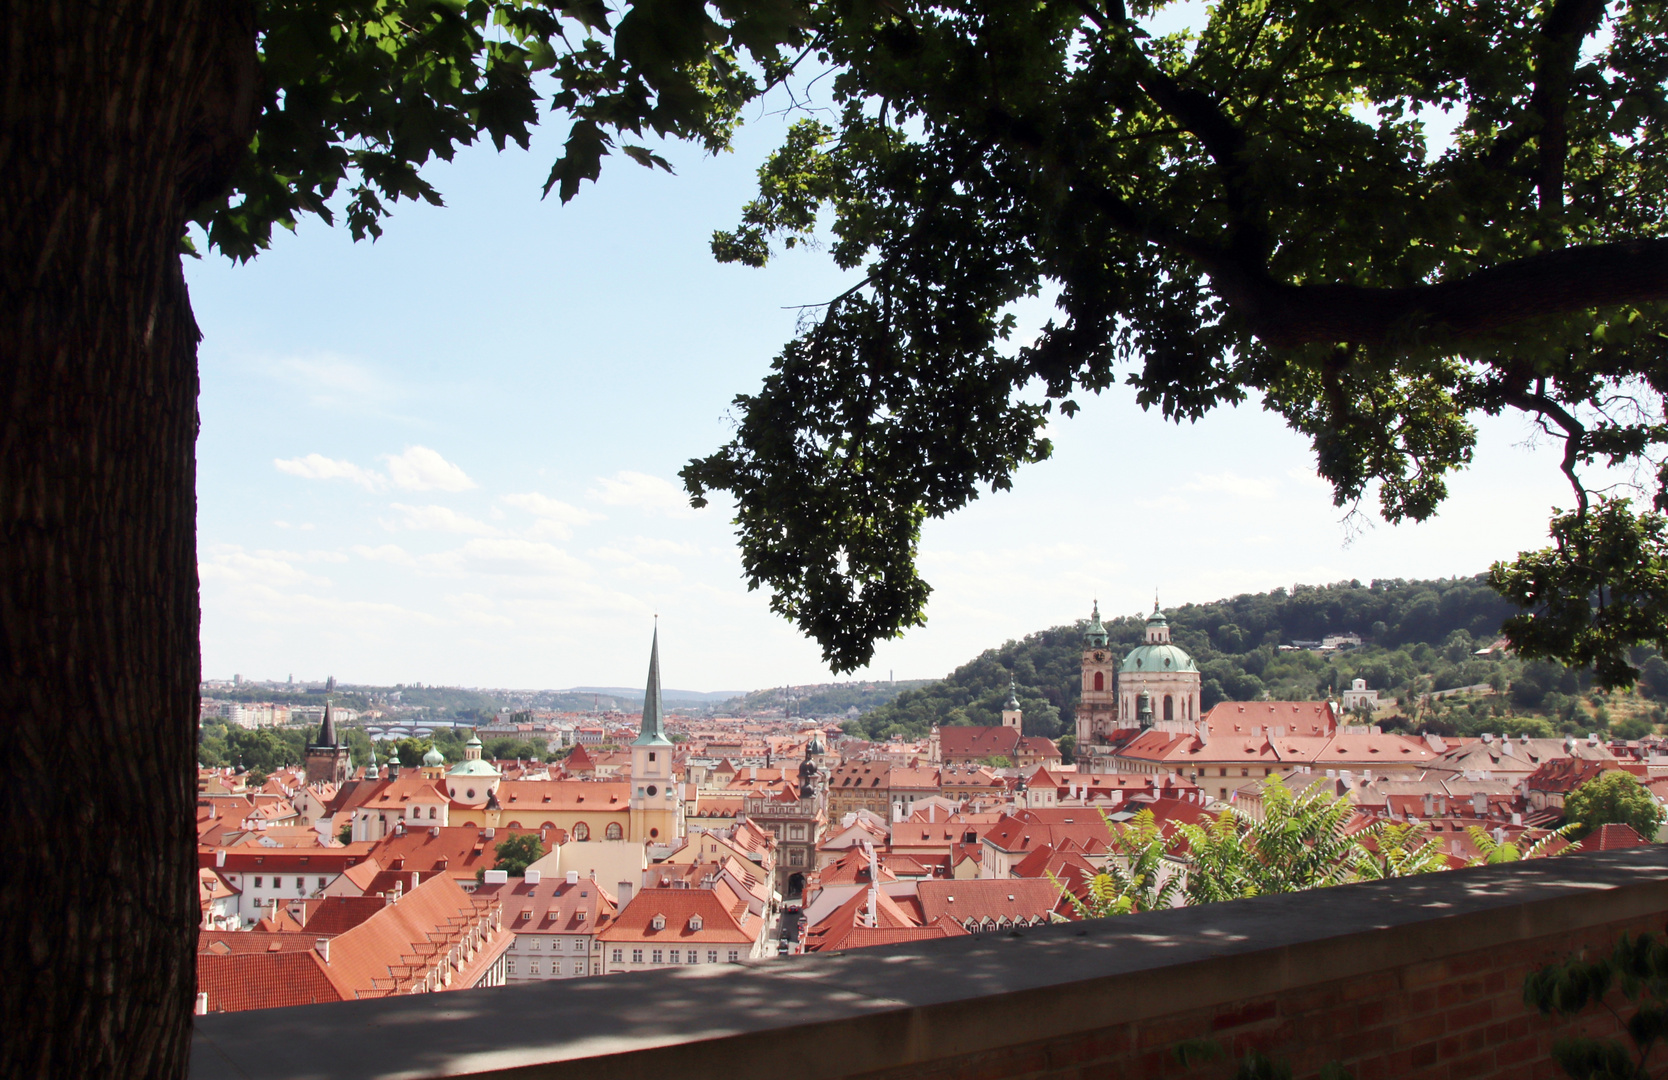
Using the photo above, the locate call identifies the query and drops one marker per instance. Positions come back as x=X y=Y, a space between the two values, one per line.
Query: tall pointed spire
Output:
x=327 y=730
x=654 y=724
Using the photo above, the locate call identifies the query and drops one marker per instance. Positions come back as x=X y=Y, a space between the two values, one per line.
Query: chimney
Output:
x=573 y=877
x=322 y=947
x=1517 y=819
x=533 y=877
x=1430 y=805
x=624 y=893
x=496 y=877
x=1479 y=804
x=220 y=858
x=201 y=1008
x=489 y=833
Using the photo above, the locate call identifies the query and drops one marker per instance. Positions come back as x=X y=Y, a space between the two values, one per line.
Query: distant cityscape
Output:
x=418 y=839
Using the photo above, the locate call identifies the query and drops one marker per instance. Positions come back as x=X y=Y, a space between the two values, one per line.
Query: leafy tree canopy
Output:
x=516 y=853
x=1251 y=210
x=358 y=95
x=1613 y=797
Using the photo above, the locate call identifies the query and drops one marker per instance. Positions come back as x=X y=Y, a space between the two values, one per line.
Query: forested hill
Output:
x=1413 y=632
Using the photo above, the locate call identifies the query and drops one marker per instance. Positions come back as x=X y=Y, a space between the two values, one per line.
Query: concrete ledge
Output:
x=879 y=1009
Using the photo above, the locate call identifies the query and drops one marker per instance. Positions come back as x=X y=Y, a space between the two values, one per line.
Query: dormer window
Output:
x=694 y=922
x=658 y=922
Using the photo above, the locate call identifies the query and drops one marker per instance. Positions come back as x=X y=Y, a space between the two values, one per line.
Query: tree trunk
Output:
x=115 y=120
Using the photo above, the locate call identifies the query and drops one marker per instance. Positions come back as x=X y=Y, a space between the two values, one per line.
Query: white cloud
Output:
x=421 y=469
x=513 y=556
x=1232 y=484
x=319 y=467
x=556 y=518
x=388 y=553
x=442 y=519
x=626 y=488
x=272 y=569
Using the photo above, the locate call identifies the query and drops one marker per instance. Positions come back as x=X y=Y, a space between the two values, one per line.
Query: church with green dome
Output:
x=1156 y=684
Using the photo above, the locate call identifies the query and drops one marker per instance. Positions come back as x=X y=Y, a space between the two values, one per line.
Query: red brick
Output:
x=1372 y=1013
x=1468 y=1016
x=1426 y=974
x=1514 y=1053
x=1472 y=1067
x=1250 y=1014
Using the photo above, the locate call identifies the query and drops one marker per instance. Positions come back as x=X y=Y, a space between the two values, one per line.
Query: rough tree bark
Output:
x=115 y=119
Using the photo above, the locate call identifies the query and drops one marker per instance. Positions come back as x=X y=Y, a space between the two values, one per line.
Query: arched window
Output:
x=1100 y=680
x=581 y=831
x=1169 y=707
x=432 y=813
x=613 y=832
x=513 y=825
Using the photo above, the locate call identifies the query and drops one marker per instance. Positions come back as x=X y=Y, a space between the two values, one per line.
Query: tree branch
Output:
x=1567 y=25
x=1575 y=433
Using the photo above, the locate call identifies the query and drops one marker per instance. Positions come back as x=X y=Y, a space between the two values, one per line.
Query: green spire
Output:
x=1013 y=694
x=654 y=725
x=1096 y=635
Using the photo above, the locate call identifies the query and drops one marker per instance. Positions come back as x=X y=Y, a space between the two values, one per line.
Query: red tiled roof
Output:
x=238 y=981
x=1013 y=899
x=967 y=741
x=552 y=906
x=635 y=922
x=1612 y=837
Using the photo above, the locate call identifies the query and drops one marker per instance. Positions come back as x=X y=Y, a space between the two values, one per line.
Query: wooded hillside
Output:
x=1417 y=637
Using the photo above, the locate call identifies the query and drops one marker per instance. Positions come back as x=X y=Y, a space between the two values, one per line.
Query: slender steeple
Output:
x=327 y=730
x=1013 y=693
x=654 y=724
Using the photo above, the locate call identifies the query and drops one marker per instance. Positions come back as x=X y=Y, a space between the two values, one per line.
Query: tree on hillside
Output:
x=123 y=121
x=1613 y=796
x=1253 y=210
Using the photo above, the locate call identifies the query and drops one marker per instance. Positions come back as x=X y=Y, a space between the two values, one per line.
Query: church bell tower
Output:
x=656 y=804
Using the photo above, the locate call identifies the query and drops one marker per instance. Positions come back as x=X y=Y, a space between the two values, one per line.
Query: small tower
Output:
x=1011 y=715
x=393 y=763
x=1144 y=710
x=656 y=805
x=434 y=764
x=327 y=756
x=1098 y=703
x=472 y=781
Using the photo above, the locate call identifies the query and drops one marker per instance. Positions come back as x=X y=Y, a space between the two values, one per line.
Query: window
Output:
x=677 y=958
x=470 y=794
x=535 y=941
x=658 y=922
x=509 y=966
x=694 y=956
x=734 y=956
x=257 y=883
x=578 y=944
x=694 y=922
x=656 y=956
x=322 y=882
x=619 y=956
x=534 y=967
x=797 y=832
x=1245 y=772
x=431 y=813
x=301 y=883
x=651 y=755
x=637 y=956
x=712 y=956
x=581 y=831
x=1100 y=680
x=614 y=832
x=796 y=857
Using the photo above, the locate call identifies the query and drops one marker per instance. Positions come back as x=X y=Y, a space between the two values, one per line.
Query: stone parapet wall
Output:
x=1419 y=977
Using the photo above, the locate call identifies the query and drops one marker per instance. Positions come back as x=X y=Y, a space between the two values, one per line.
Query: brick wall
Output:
x=1448 y=1019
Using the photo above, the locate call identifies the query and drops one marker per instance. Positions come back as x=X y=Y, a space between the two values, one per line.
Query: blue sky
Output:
x=450 y=456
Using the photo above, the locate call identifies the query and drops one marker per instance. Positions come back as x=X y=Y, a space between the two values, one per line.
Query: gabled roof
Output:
x=976 y=900
x=552 y=906
x=1612 y=837
x=635 y=922
x=454 y=850
x=968 y=741
x=237 y=981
